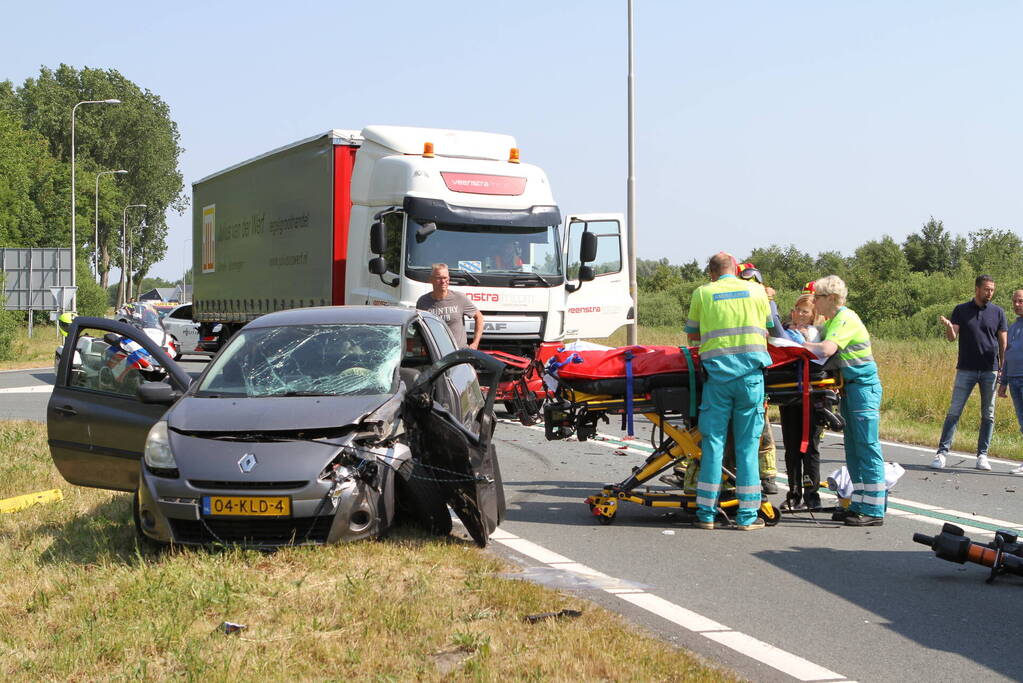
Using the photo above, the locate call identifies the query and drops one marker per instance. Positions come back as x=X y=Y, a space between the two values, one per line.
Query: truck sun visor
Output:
x=439 y=211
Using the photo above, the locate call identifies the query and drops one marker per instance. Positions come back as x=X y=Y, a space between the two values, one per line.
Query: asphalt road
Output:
x=860 y=604
x=805 y=600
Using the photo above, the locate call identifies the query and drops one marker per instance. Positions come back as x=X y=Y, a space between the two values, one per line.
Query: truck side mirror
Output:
x=378 y=266
x=377 y=239
x=588 y=251
x=585 y=273
x=424 y=231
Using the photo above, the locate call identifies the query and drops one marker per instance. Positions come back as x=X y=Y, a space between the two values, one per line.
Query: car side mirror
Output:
x=158 y=393
x=377 y=239
x=588 y=251
x=112 y=339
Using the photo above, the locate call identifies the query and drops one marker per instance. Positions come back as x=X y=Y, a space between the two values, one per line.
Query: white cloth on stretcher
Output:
x=841 y=483
x=550 y=381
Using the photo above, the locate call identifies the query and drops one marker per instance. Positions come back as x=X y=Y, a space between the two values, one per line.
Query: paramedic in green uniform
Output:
x=845 y=334
x=728 y=318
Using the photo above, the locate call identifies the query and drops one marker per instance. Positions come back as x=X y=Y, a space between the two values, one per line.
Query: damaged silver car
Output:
x=312 y=425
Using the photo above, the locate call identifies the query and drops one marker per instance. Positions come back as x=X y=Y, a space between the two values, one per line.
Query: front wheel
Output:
x=770 y=514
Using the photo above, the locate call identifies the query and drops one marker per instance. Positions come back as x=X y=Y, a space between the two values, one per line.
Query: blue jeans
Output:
x=961 y=390
x=740 y=402
x=1015 y=386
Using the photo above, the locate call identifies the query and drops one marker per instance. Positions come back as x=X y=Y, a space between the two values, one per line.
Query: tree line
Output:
x=137 y=136
x=898 y=289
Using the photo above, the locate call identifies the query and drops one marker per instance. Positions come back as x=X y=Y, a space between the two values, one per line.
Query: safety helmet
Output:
x=810 y=287
x=748 y=271
x=64 y=322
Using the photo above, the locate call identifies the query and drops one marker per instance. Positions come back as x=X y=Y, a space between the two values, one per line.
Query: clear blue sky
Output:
x=822 y=124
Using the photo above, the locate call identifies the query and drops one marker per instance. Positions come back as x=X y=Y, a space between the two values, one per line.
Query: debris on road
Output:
x=18 y=503
x=229 y=627
x=565 y=613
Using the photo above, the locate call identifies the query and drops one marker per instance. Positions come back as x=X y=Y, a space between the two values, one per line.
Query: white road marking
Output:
x=786 y=662
x=962 y=518
x=34 y=389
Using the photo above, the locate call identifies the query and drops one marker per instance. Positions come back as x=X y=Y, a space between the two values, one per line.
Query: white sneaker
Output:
x=982 y=463
x=1018 y=470
x=938 y=462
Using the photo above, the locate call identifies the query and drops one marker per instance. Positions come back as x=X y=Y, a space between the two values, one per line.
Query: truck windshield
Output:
x=306 y=360
x=487 y=254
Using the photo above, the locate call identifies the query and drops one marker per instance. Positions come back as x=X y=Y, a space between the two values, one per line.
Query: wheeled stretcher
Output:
x=663 y=384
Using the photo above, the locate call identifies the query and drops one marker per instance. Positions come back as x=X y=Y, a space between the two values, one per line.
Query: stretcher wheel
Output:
x=770 y=518
x=601 y=517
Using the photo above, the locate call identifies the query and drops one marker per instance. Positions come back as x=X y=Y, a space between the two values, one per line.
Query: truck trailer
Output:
x=359 y=217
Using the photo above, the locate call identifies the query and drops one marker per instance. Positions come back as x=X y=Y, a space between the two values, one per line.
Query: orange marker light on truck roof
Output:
x=513 y=155
x=428 y=150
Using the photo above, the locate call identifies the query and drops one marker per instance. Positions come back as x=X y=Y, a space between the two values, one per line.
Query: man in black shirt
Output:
x=980 y=327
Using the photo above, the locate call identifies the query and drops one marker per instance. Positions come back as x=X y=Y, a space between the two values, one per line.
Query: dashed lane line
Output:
x=33 y=389
x=785 y=662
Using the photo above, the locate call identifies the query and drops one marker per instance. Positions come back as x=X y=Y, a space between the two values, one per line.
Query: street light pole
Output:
x=95 y=256
x=74 y=297
x=633 y=331
x=124 y=253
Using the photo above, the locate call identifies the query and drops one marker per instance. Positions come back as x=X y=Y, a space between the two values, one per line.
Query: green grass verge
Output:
x=80 y=601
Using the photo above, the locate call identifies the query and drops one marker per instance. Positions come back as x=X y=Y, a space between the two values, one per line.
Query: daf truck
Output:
x=359 y=217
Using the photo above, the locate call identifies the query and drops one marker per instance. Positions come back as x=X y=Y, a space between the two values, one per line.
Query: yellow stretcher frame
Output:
x=684 y=447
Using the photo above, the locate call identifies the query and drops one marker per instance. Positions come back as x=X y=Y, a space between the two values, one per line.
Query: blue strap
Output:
x=691 y=371
x=628 y=392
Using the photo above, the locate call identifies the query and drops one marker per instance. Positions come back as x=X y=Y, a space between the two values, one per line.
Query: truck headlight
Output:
x=158 y=455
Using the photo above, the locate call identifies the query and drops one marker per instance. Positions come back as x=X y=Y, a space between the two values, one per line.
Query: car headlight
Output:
x=158 y=455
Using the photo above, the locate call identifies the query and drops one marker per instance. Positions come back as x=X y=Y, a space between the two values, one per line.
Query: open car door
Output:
x=600 y=306
x=460 y=457
x=96 y=424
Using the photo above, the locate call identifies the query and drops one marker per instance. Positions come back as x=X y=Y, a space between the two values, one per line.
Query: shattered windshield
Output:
x=306 y=360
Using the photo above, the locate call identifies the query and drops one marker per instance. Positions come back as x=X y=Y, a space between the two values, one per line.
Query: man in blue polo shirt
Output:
x=980 y=327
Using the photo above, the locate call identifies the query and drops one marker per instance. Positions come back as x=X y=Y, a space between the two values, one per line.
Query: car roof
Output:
x=325 y=315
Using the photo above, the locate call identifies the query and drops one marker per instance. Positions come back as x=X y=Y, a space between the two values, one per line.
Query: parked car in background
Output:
x=179 y=324
x=311 y=425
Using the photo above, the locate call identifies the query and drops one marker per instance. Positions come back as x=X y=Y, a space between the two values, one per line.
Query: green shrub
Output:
x=92 y=300
x=8 y=333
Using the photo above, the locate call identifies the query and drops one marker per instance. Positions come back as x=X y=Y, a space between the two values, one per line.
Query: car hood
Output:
x=194 y=414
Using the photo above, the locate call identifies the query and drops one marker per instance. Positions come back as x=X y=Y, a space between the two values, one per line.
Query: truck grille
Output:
x=253 y=531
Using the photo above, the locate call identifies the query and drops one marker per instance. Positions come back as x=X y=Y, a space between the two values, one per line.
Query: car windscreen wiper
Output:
x=295 y=393
x=529 y=277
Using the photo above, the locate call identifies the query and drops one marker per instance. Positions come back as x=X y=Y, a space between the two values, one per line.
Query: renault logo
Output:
x=247 y=462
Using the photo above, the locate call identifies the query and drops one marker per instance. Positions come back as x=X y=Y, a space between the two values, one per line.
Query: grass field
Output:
x=36 y=352
x=80 y=601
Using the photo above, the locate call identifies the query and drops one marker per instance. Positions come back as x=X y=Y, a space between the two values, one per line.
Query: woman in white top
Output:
x=803 y=468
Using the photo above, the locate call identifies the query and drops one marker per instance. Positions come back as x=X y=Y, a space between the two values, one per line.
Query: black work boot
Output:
x=856 y=519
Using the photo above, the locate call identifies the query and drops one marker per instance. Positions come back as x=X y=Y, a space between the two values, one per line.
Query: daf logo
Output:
x=247 y=463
